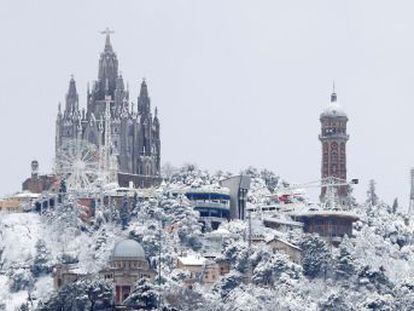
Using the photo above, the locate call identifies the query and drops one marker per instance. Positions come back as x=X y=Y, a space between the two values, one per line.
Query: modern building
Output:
x=239 y=187
x=213 y=204
x=334 y=138
x=134 y=138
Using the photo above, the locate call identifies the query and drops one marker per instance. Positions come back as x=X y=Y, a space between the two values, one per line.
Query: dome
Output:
x=334 y=109
x=128 y=249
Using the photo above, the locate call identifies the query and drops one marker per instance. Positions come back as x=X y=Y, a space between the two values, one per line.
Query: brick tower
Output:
x=333 y=138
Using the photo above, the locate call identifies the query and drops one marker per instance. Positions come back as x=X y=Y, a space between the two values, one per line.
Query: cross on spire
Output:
x=108 y=33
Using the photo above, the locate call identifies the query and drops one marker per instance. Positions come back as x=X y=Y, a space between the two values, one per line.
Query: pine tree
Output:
x=84 y=294
x=395 y=206
x=345 y=266
x=144 y=296
x=315 y=256
x=41 y=261
x=372 y=198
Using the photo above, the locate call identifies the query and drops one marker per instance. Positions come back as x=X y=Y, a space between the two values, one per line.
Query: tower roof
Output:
x=72 y=87
x=334 y=108
x=144 y=89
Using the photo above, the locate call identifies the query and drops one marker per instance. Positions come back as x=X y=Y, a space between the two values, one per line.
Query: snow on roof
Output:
x=276 y=238
x=283 y=222
x=221 y=231
x=327 y=213
x=128 y=249
x=27 y=194
x=209 y=189
x=192 y=260
x=284 y=242
x=334 y=109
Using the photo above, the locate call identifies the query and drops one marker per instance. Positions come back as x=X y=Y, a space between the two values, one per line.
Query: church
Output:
x=133 y=133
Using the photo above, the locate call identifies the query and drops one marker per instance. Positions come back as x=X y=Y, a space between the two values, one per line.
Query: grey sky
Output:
x=237 y=83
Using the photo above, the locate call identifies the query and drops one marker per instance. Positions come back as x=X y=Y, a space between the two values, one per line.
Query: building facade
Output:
x=127 y=266
x=37 y=183
x=212 y=204
x=134 y=138
x=334 y=138
x=239 y=187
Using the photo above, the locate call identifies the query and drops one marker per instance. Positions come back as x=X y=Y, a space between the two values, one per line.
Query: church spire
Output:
x=108 y=68
x=144 y=104
x=72 y=98
x=108 y=46
x=144 y=89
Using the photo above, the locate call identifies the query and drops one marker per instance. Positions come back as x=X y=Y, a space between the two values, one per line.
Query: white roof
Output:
x=334 y=109
x=284 y=222
x=192 y=260
x=284 y=242
x=27 y=194
x=128 y=249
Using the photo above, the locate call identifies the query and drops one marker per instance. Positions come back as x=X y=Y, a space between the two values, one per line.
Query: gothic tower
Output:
x=333 y=138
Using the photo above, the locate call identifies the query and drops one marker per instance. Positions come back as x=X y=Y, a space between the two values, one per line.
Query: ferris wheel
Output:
x=77 y=163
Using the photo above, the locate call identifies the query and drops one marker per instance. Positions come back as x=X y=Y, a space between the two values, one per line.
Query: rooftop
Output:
x=128 y=249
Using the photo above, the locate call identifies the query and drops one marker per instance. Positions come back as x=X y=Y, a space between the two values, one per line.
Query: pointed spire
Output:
x=107 y=32
x=333 y=95
x=72 y=87
x=144 y=89
x=120 y=83
x=156 y=121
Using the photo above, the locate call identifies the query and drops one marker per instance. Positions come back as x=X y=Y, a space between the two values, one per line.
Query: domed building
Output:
x=127 y=265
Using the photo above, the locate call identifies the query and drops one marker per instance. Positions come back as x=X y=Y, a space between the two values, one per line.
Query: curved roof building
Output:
x=128 y=249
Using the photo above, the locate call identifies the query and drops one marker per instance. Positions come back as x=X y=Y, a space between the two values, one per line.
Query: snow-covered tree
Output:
x=336 y=302
x=227 y=283
x=41 y=263
x=237 y=254
x=268 y=271
x=124 y=213
x=85 y=294
x=345 y=266
x=20 y=279
x=375 y=279
x=395 y=205
x=372 y=198
x=143 y=297
x=316 y=257
x=404 y=294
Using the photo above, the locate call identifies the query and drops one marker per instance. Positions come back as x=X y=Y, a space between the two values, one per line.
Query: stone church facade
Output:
x=135 y=132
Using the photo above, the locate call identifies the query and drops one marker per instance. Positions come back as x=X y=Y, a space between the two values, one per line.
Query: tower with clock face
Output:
x=334 y=138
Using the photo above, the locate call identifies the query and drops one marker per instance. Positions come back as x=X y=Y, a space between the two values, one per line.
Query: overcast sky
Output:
x=237 y=83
